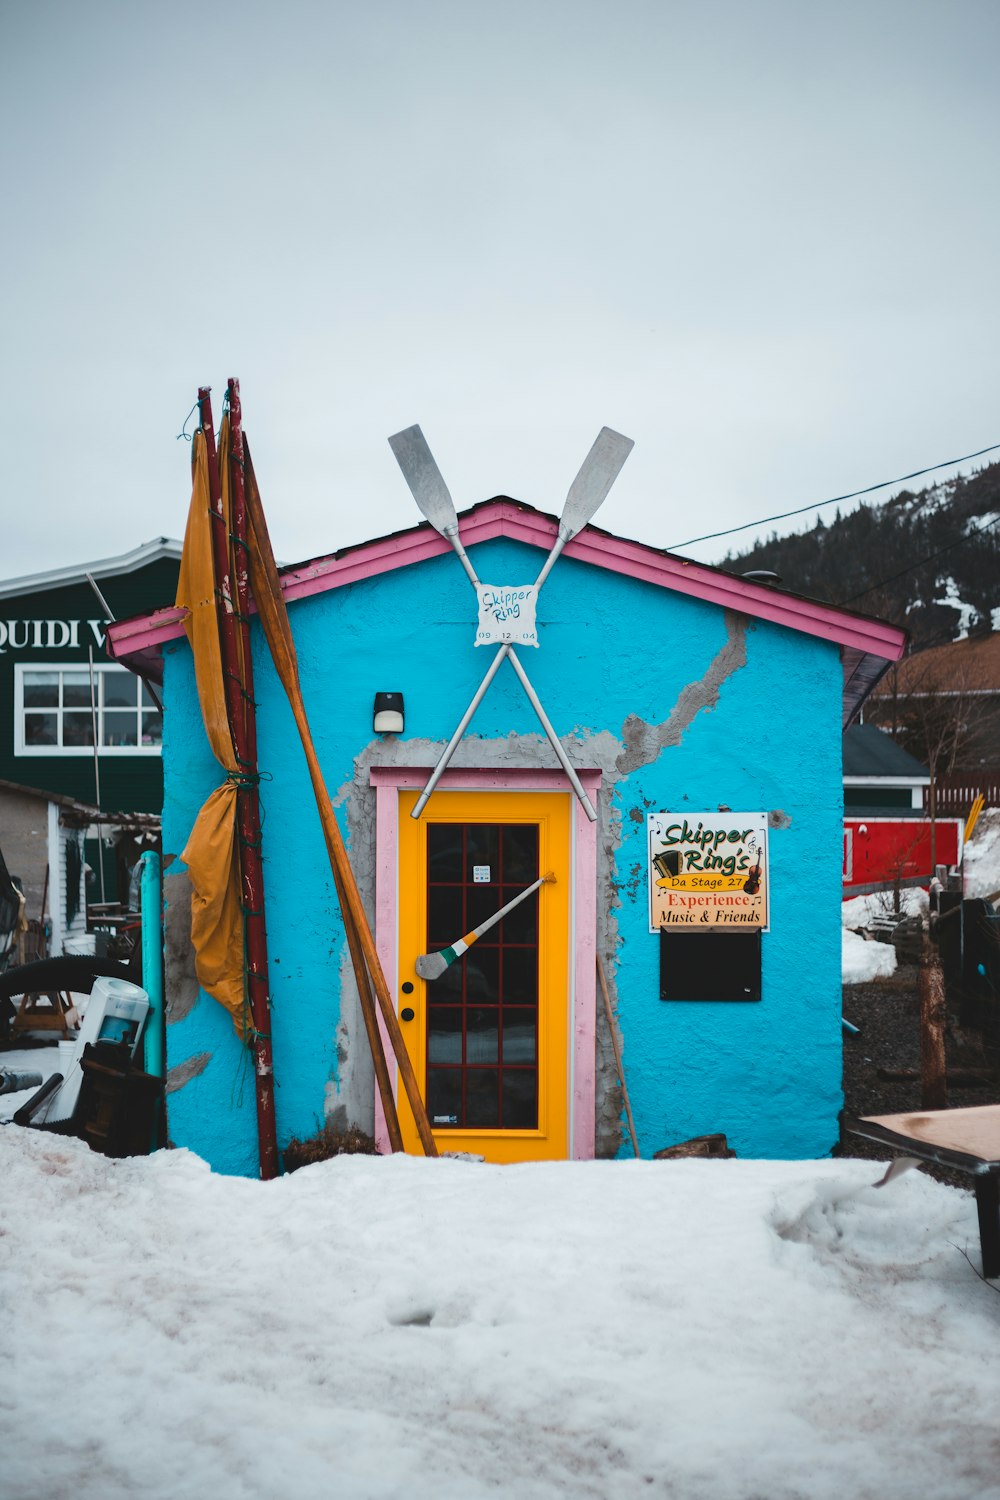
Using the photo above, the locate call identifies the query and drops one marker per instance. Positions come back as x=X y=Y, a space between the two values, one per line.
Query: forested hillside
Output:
x=929 y=561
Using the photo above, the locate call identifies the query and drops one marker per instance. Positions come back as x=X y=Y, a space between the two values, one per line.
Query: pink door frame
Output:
x=388 y=782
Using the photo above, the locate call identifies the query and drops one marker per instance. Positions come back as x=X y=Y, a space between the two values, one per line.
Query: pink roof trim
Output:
x=146 y=634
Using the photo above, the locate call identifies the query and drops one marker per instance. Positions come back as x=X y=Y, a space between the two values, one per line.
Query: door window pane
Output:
x=482 y=1107
x=445 y=918
x=521 y=926
x=482 y=973
x=519 y=1036
x=520 y=1103
x=520 y=976
x=482 y=846
x=483 y=901
x=520 y=853
x=444 y=1095
x=444 y=851
x=448 y=989
x=444 y=1041
x=482 y=1034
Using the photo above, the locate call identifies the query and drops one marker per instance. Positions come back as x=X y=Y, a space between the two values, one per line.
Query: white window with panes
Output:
x=60 y=709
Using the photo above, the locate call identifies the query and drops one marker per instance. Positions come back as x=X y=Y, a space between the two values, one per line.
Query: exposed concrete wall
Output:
x=178 y=955
x=679 y=706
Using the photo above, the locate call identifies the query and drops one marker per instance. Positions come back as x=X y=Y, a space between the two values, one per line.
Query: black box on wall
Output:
x=709 y=965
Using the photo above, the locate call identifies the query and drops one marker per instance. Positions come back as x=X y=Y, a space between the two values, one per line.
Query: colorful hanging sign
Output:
x=708 y=871
x=506 y=615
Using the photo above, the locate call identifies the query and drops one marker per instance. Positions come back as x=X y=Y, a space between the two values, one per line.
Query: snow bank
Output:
x=371 y=1328
x=982 y=856
x=860 y=911
x=44 y=1061
x=863 y=961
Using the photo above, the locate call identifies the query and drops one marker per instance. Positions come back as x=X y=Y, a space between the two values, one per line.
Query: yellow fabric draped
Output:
x=212 y=854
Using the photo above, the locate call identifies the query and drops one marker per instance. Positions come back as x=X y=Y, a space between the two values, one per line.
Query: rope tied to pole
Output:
x=244 y=780
x=187 y=436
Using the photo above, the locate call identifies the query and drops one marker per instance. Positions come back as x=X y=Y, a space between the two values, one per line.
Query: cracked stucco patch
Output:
x=643 y=742
x=183 y=1073
x=178 y=954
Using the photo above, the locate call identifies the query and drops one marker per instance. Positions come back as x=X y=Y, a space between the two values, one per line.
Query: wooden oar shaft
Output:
x=477 y=932
x=274 y=618
x=617 y=1051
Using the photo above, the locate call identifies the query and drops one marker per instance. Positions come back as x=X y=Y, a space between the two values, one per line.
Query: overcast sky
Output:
x=758 y=237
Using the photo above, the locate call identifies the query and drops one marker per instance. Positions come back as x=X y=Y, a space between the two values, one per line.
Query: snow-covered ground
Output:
x=862 y=960
x=860 y=910
x=374 y=1328
x=982 y=856
x=447 y=1330
x=42 y=1061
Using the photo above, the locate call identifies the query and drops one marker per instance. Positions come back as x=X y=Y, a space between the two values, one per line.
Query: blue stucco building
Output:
x=686 y=699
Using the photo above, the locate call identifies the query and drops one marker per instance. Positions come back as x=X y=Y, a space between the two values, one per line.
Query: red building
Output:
x=887 y=837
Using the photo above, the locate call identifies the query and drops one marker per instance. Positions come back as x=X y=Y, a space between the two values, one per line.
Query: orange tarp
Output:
x=212 y=855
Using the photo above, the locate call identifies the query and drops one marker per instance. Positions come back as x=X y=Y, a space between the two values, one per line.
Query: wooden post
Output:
x=933 y=1076
x=237 y=670
x=988 y=1207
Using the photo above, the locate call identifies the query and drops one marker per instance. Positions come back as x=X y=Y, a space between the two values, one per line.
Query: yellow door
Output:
x=489 y=1037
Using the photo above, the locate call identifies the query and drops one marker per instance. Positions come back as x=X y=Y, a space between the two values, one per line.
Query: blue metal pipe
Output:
x=152 y=960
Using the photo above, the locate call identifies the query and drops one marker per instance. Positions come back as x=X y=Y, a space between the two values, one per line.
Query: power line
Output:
x=921 y=562
x=819 y=504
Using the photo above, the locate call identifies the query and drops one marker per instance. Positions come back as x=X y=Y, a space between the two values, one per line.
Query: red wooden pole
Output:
x=235 y=640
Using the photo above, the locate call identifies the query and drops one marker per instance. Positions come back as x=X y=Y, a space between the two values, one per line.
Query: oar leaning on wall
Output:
x=367 y=967
x=617 y=1051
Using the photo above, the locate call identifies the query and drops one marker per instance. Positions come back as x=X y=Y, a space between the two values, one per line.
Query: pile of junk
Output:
x=98 y=1023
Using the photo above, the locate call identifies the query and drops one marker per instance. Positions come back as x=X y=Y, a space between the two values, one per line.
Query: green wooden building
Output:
x=60 y=695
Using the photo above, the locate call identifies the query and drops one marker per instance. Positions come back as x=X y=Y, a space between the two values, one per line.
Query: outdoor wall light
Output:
x=388 y=718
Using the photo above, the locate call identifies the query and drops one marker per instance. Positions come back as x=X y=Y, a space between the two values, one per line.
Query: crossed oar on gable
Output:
x=586 y=494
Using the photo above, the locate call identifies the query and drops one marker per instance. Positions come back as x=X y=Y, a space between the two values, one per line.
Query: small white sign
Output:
x=507 y=615
x=480 y=874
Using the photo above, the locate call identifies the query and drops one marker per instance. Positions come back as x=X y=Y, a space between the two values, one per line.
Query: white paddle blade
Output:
x=424 y=478
x=598 y=473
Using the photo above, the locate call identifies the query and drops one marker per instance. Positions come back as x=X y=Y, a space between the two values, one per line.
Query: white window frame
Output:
x=77 y=667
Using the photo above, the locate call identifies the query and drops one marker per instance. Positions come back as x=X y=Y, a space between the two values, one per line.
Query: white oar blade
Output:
x=598 y=473
x=431 y=965
x=424 y=478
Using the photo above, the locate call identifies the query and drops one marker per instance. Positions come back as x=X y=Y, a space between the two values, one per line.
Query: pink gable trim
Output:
x=136 y=640
x=581 y=1081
